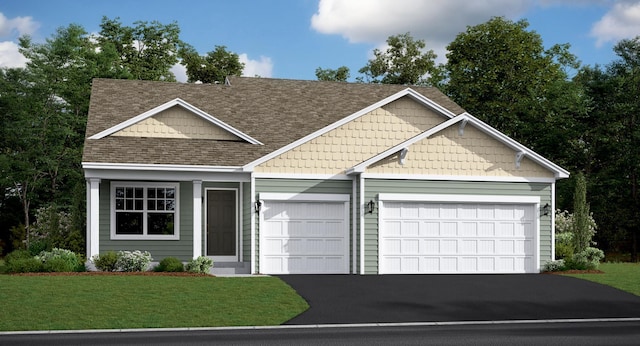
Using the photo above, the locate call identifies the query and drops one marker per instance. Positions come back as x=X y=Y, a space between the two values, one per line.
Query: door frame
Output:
x=235 y=258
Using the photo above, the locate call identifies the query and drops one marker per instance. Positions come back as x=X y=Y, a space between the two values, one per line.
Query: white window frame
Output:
x=144 y=235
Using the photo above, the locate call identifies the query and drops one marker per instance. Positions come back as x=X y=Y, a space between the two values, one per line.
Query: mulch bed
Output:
x=573 y=271
x=96 y=273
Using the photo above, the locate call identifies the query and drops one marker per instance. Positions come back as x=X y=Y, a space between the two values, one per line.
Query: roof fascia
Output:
x=406 y=92
x=156 y=167
x=558 y=171
x=176 y=102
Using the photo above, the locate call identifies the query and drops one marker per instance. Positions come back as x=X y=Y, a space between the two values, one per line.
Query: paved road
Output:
x=423 y=298
x=547 y=334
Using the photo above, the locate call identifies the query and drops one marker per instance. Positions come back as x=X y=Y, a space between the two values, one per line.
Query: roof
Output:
x=274 y=112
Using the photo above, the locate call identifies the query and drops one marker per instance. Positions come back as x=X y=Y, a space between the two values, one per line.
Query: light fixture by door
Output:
x=371 y=206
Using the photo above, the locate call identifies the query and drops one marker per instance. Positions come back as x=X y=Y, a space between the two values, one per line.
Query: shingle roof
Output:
x=274 y=111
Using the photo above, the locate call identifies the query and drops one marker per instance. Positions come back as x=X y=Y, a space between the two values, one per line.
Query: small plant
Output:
x=60 y=260
x=133 y=261
x=589 y=259
x=106 y=262
x=200 y=265
x=21 y=261
x=170 y=264
x=554 y=266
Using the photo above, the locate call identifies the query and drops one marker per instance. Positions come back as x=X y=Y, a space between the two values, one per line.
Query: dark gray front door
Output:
x=221 y=223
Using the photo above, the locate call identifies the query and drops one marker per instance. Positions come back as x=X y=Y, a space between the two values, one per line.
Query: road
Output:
x=525 y=333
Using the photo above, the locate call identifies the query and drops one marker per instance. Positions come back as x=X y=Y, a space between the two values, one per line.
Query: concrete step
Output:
x=229 y=268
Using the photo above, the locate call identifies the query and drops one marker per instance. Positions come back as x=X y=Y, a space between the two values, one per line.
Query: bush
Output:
x=554 y=266
x=133 y=261
x=61 y=260
x=24 y=265
x=106 y=262
x=170 y=264
x=589 y=259
x=564 y=245
x=200 y=265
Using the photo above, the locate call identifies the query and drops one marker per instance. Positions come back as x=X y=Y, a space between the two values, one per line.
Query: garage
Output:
x=304 y=234
x=449 y=234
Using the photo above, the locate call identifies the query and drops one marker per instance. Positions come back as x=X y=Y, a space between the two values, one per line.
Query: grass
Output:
x=108 y=302
x=623 y=276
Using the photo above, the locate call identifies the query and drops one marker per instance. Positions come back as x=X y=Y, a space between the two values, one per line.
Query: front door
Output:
x=222 y=218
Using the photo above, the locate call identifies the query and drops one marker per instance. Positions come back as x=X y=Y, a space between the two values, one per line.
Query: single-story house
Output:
x=281 y=176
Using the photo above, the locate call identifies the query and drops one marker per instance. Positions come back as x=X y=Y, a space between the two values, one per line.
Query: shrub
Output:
x=106 y=262
x=17 y=254
x=200 y=265
x=554 y=266
x=564 y=245
x=170 y=264
x=61 y=260
x=589 y=259
x=24 y=265
x=133 y=261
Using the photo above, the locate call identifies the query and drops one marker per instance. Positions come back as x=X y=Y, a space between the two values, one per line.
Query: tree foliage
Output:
x=341 y=74
x=213 y=67
x=405 y=61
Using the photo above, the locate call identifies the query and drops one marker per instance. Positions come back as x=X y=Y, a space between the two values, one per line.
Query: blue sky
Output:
x=291 y=38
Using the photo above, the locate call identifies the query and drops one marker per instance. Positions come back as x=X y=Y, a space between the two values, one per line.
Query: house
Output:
x=293 y=177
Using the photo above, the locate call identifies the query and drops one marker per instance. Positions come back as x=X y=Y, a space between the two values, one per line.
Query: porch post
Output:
x=93 y=217
x=197 y=218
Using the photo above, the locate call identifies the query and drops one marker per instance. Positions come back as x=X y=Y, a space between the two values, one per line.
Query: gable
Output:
x=176 y=122
x=449 y=153
x=363 y=137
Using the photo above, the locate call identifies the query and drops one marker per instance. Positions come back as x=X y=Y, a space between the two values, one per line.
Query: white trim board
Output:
x=506 y=199
x=471 y=178
x=298 y=197
x=175 y=102
x=406 y=92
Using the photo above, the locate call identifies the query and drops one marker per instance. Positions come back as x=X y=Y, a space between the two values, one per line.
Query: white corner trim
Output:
x=406 y=92
x=175 y=102
x=475 y=178
x=197 y=218
x=309 y=197
x=498 y=199
x=159 y=167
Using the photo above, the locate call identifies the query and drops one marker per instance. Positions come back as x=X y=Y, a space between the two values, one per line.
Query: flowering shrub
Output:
x=200 y=265
x=588 y=259
x=553 y=266
x=564 y=223
x=106 y=262
x=60 y=260
x=133 y=261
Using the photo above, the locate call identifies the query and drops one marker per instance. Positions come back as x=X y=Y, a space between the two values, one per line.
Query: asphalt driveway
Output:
x=440 y=298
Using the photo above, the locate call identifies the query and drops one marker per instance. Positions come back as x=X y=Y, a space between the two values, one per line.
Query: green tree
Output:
x=341 y=74
x=405 y=62
x=581 y=231
x=501 y=73
x=213 y=67
x=146 y=51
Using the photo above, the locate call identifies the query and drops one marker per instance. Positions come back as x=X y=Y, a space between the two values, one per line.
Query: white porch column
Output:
x=197 y=218
x=93 y=217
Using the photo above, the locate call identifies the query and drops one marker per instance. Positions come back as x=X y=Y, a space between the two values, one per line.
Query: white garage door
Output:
x=304 y=237
x=428 y=237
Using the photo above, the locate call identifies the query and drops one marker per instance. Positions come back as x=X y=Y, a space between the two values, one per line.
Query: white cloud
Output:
x=252 y=68
x=10 y=56
x=373 y=21
x=622 y=21
x=18 y=25
x=180 y=72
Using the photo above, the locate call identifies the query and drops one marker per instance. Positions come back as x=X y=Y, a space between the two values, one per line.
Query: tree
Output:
x=501 y=73
x=213 y=67
x=404 y=62
x=146 y=51
x=341 y=74
x=581 y=232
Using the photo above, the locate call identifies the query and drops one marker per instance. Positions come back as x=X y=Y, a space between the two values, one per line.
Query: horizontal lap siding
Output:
x=159 y=249
x=376 y=186
x=300 y=186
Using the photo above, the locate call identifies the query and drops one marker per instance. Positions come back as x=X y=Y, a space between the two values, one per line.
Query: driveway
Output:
x=440 y=298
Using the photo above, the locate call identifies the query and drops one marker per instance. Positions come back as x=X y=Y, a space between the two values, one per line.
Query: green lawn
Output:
x=108 y=302
x=624 y=276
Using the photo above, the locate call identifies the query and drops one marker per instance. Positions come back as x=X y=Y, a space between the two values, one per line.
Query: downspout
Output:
x=553 y=221
x=253 y=224
x=362 y=228
x=354 y=226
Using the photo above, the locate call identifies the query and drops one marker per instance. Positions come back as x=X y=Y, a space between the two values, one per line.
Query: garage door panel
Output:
x=304 y=238
x=457 y=238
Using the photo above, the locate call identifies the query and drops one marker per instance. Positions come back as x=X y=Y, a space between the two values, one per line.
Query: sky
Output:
x=291 y=38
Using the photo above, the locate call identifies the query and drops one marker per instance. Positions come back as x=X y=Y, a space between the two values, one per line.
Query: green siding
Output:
x=375 y=186
x=159 y=249
x=302 y=186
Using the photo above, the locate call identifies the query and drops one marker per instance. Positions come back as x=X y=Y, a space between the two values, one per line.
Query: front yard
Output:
x=623 y=276
x=137 y=301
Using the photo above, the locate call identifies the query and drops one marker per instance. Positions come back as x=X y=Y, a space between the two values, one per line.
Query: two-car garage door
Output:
x=452 y=237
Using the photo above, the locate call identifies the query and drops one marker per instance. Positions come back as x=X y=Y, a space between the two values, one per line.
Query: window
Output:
x=144 y=211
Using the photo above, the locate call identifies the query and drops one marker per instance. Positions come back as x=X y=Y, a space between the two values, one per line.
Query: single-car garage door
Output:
x=304 y=234
x=445 y=237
